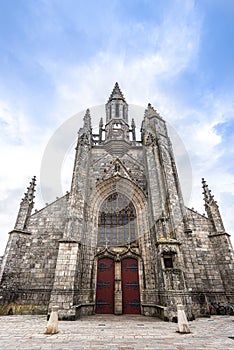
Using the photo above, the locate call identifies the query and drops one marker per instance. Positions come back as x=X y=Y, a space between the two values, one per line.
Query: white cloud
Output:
x=165 y=51
x=211 y=156
x=207 y=135
x=21 y=147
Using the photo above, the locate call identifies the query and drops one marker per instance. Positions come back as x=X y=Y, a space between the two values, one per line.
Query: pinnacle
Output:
x=101 y=122
x=207 y=193
x=29 y=195
x=152 y=112
x=151 y=109
x=87 y=119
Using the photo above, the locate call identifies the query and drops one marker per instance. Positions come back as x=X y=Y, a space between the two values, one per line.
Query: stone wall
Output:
x=30 y=260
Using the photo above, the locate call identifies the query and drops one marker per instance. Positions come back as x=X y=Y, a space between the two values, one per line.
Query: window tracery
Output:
x=117 y=221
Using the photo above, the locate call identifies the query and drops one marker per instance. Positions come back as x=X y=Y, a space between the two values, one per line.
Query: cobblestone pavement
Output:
x=115 y=332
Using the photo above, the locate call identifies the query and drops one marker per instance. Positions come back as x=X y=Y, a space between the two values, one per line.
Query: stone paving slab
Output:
x=115 y=332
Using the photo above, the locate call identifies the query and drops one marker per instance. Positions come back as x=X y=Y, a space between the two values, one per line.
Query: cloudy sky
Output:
x=58 y=57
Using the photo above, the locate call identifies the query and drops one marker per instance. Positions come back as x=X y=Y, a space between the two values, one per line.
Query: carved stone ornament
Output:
x=84 y=140
x=168 y=249
x=150 y=139
x=116 y=169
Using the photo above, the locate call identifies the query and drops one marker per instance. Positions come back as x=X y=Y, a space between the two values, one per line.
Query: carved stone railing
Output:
x=173 y=279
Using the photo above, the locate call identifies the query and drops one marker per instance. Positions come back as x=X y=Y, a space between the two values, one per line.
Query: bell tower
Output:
x=116 y=127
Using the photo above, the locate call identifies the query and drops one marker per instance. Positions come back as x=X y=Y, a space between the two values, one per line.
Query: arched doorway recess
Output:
x=119 y=226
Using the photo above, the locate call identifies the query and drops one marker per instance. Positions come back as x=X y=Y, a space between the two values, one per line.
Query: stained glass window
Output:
x=117 y=221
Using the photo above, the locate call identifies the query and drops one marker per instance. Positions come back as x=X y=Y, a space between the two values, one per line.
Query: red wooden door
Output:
x=130 y=286
x=105 y=286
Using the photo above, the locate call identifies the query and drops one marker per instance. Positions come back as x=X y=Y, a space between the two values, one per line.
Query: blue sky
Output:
x=60 y=57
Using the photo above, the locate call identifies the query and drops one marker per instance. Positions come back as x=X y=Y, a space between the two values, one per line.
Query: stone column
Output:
x=118 y=288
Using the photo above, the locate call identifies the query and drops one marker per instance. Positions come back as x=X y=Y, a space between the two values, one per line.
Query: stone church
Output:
x=121 y=241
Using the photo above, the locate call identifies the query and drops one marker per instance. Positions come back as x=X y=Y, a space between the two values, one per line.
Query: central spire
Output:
x=116 y=107
x=117 y=116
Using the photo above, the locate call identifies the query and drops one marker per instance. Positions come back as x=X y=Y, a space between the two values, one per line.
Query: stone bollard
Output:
x=52 y=325
x=183 y=326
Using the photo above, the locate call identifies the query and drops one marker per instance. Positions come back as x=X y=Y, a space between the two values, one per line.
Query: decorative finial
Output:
x=116 y=93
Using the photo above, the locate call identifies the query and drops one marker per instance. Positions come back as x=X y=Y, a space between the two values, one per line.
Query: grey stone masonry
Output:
x=125 y=205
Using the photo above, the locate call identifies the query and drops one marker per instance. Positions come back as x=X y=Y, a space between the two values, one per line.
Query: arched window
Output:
x=168 y=259
x=117 y=221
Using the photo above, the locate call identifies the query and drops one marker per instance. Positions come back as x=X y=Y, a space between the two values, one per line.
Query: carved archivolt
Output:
x=129 y=190
x=120 y=185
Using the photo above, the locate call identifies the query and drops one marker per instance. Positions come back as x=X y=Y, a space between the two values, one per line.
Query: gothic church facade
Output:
x=121 y=241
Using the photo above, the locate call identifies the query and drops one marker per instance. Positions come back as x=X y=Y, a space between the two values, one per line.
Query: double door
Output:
x=109 y=287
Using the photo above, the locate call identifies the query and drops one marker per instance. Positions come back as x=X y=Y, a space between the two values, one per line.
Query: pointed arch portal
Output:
x=119 y=216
